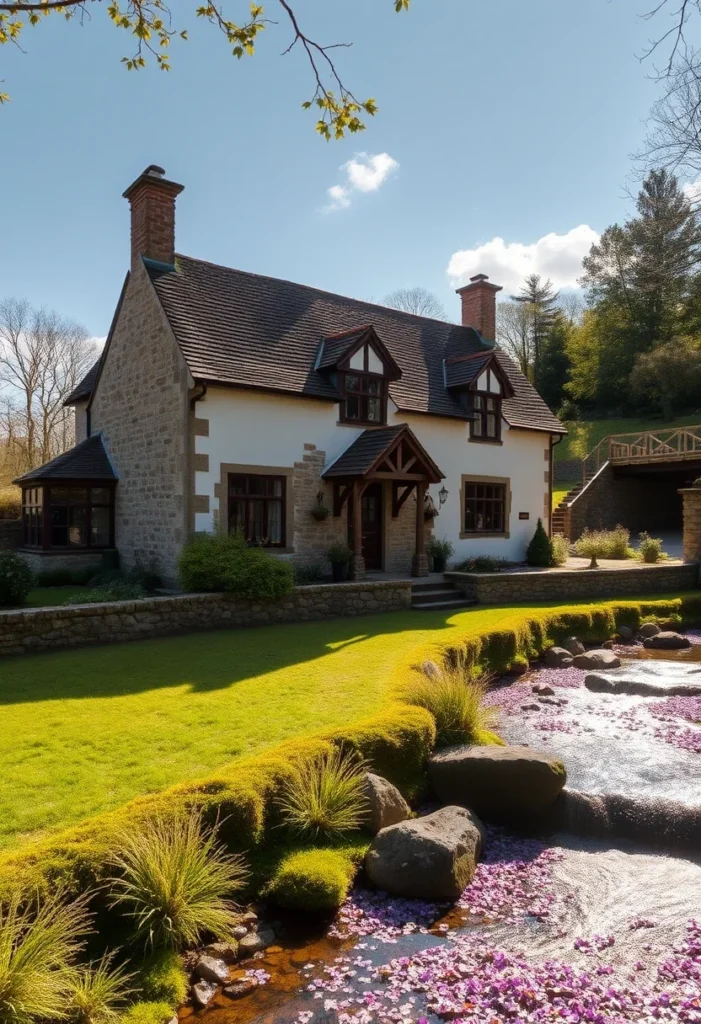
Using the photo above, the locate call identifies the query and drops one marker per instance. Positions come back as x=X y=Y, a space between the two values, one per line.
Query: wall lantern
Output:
x=443 y=495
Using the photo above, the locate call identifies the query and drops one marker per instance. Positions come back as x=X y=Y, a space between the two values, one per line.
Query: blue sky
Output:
x=509 y=119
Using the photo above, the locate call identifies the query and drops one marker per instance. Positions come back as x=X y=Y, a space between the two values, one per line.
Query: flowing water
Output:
x=592 y=928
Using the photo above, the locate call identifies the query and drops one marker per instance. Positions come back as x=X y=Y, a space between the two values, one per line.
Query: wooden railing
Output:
x=674 y=444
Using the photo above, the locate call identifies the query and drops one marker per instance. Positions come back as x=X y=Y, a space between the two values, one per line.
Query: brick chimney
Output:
x=152 y=203
x=479 y=305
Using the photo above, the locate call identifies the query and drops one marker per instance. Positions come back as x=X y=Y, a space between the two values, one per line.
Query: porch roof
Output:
x=387 y=453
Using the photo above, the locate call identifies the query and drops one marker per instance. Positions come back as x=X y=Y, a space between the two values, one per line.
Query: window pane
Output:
x=491 y=425
x=78 y=527
x=59 y=536
x=100 y=495
x=68 y=495
x=477 y=427
x=374 y=386
x=352 y=382
x=374 y=410
x=274 y=530
x=99 y=526
x=478 y=403
x=352 y=408
x=257 y=523
x=257 y=485
x=276 y=488
x=237 y=485
x=237 y=516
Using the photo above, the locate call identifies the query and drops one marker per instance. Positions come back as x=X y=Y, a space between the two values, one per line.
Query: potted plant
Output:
x=440 y=551
x=320 y=511
x=340 y=556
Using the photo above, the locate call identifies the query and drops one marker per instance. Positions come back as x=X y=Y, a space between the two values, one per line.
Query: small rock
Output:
x=255 y=941
x=226 y=951
x=430 y=669
x=239 y=988
x=249 y=917
x=202 y=992
x=385 y=804
x=210 y=969
x=597 y=659
x=239 y=931
x=531 y=707
x=555 y=701
x=599 y=684
x=626 y=634
x=558 y=657
x=649 y=629
x=667 y=641
x=573 y=645
x=607 y=645
x=543 y=690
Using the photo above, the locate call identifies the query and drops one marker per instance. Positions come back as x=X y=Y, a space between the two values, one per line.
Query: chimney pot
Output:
x=479 y=305
x=152 y=202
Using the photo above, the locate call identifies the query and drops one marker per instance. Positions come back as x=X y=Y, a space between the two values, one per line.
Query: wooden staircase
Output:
x=561 y=515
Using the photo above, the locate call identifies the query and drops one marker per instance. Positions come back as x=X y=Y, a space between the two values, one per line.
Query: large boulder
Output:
x=498 y=782
x=667 y=641
x=597 y=660
x=573 y=645
x=431 y=858
x=649 y=629
x=558 y=657
x=385 y=804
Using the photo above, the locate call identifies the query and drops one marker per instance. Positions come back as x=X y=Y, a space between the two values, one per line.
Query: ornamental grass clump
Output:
x=176 y=881
x=456 y=703
x=650 y=549
x=324 y=797
x=561 y=549
x=100 y=992
x=39 y=945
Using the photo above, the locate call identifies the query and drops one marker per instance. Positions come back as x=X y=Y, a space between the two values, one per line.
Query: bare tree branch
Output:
x=416 y=300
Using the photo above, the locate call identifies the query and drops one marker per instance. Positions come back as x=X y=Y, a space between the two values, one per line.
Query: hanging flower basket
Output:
x=320 y=511
x=430 y=510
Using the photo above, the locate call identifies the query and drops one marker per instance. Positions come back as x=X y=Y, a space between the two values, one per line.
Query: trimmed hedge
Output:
x=217 y=562
x=396 y=743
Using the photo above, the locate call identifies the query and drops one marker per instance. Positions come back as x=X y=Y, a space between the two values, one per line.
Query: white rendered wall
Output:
x=258 y=429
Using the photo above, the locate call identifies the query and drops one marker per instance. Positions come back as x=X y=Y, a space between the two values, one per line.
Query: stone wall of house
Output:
x=10 y=534
x=563 y=584
x=41 y=629
x=312 y=537
x=400 y=533
x=141 y=408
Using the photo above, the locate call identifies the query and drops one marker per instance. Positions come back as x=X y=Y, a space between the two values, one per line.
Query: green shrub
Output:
x=324 y=796
x=456 y=703
x=560 y=548
x=650 y=548
x=116 y=591
x=339 y=554
x=38 y=949
x=145 y=575
x=312 y=880
x=595 y=544
x=163 y=978
x=16 y=579
x=148 y=1013
x=211 y=563
x=175 y=880
x=99 y=992
x=10 y=502
x=540 y=550
x=442 y=549
x=306 y=574
x=482 y=563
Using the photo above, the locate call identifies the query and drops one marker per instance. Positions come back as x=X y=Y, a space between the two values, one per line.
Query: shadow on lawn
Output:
x=205 y=661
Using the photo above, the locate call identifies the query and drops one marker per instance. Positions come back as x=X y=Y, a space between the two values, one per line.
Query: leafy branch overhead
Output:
x=151 y=23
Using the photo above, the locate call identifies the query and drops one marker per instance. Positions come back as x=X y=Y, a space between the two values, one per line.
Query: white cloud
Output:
x=364 y=173
x=558 y=257
x=97 y=340
x=692 y=190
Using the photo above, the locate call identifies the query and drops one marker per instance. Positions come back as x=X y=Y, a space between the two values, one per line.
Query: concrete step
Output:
x=439 y=606
x=417 y=587
x=433 y=595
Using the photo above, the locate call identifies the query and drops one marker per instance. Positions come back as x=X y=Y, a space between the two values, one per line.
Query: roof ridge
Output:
x=324 y=291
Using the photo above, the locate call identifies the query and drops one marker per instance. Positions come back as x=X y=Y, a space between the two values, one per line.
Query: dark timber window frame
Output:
x=73 y=506
x=258 y=490
x=485 y=506
x=362 y=387
x=485 y=410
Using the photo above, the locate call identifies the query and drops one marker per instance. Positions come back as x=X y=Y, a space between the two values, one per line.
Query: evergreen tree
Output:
x=539 y=298
x=554 y=365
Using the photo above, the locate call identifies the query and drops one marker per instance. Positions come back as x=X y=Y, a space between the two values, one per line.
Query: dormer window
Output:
x=485 y=424
x=361 y=368
x=480 y=384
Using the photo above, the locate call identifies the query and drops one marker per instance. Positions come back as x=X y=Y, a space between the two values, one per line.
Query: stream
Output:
x=576 y=928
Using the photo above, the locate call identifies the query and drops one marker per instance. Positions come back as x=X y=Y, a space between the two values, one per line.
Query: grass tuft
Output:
x=38 y=949
x=99 y=992
x=456 y=703
x=324 y=797
x=176 y=881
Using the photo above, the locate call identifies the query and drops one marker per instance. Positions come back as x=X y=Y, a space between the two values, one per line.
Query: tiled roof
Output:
x=87 y=461
x=464 y=369
x=363 y=453
x=84 y=389
x=246 y=330
x=333 y=349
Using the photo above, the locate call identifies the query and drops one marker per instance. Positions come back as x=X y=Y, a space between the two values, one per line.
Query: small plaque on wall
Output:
x=524 y=515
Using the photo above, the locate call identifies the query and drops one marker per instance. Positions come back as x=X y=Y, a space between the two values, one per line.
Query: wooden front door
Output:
x=372 y=522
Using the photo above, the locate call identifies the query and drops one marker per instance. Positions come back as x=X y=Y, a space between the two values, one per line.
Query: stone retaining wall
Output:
x=574 y=584
x=41 y=629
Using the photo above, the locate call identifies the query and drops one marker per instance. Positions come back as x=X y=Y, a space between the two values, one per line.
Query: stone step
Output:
x=429 y=585
x=439 y=606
